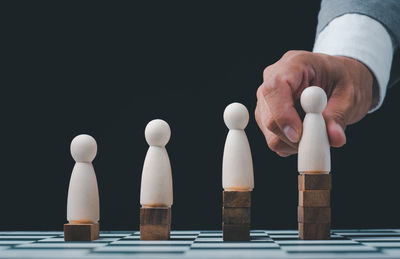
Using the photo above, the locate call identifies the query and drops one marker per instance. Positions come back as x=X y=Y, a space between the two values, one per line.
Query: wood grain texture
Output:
x=236 y=199
x=155 y=232
x=313 y=214
x=81 y=232
x=314 y=182
x=314 y=231
x=318 y=198
x=235 y=232
x=155 y=216
x=236 y=215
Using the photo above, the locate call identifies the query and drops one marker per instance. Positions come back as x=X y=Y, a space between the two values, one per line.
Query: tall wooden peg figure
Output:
x=237 y=176
x=314 y=165
x=156 y=188
x=83 y=210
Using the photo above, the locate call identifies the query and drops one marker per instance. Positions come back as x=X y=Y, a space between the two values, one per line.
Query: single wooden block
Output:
x=236 y=232
x=314 y=182
x=313 y=214
x=314 y=231
x=236 y=215
x=155 y=232
x=314 y=198
x=81 y=232
x=155 y=216
x=236 y=199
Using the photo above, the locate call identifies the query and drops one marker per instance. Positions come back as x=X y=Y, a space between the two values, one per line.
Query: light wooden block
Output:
x=236 y=232
x=314 y=182
x=236 y=215
x=320 y=198
x=313 y=214
x=81 y=232
x=314 y=231
x=236 y=199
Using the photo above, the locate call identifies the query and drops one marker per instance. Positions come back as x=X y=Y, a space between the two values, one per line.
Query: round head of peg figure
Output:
x=83 y=148
x=236 y=116
x=313 y=99
x=157 y=133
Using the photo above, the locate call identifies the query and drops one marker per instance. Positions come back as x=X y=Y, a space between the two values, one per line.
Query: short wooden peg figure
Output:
x=156 y=187
x=83 y=210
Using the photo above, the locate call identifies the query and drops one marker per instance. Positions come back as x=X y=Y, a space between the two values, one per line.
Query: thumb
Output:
x=335 y=116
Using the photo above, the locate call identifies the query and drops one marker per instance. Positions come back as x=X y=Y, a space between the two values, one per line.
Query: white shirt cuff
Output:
x=362 y=38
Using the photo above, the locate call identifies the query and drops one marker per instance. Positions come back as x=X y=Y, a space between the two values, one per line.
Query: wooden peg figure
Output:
x=314 y=165
x=83 y=209
x=237 y=176
x=156 y=187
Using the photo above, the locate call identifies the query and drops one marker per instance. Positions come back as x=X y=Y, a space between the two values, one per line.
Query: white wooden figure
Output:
x=237 y=164
x=314 y=149
x=156 y=186
x=83 y=195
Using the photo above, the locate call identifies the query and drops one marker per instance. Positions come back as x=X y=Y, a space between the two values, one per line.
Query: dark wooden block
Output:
x=314 y=198
x=155 y=216
x=313 y=214
x=236 y=215
x=314 y=231
x=236 y=232
x=81 y=232
x=236 y=199
x=314 y=182
x=155 y=232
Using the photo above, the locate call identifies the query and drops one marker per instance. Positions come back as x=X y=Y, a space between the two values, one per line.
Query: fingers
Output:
x=275 y=143
x=269 y=125
x=337 y=137
x=336 y=113
x=284 y=120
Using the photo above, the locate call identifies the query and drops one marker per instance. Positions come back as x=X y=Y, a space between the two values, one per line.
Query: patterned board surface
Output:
x=367 y=243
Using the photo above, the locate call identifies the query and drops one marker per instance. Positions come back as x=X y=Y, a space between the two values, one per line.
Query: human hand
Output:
x=347 y=82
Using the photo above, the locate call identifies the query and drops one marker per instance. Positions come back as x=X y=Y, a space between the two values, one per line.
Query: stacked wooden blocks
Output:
x=155 y=223
x=314 y=212
x=81 y=232
x=236 y=215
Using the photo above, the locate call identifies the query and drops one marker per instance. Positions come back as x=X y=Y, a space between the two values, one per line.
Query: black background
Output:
x=106 y=69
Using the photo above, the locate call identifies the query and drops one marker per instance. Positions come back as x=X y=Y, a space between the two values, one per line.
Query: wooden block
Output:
x=236 y=215
x=314 y=182
x=81 y=232
x=314 y=231
x=313 y=214
x=155 y=216
x=155 y=232
x=314 y=198
x=236 y=199
x=235 y=232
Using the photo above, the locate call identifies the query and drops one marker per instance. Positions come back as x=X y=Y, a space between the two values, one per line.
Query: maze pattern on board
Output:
x=367 y=243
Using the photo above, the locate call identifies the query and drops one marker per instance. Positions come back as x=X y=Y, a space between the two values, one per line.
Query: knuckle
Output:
x=266 y=71
x=281 y=79
x=298 y=56
x=271 y=89
x=290 y=53
x=271 y=125
x=259 y=92
x=274 y=143
x=338 y=115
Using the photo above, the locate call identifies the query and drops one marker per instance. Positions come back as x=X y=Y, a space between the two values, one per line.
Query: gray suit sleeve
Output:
x=387 y=12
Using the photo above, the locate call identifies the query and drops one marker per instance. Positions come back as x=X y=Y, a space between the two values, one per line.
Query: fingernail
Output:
x=291 y=134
